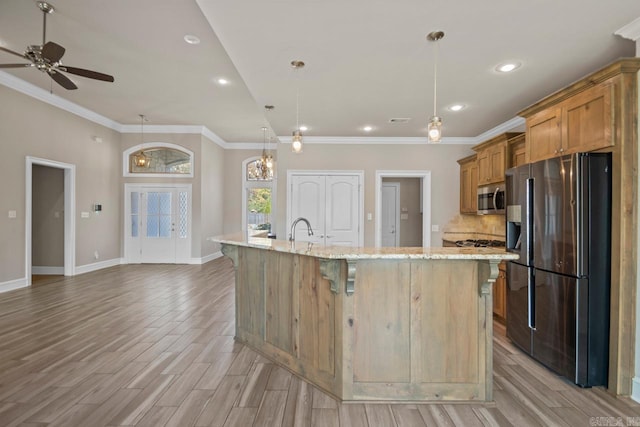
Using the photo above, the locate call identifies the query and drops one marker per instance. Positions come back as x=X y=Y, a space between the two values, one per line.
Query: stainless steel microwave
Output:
x=491 y=200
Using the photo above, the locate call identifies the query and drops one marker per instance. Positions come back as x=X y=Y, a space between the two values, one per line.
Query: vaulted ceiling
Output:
x=367 y=61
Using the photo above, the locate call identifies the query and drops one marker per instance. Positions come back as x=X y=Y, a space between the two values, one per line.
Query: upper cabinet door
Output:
x=587 y=119
x=544 y=135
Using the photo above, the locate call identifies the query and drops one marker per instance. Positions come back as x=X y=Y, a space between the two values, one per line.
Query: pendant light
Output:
x=296 y=141
x=434 y=128
x=268 y=157
x=140 y=159
x=263 y=169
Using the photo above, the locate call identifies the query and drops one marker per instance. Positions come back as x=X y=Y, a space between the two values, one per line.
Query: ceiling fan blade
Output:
x=87 y=73
x=4 y=49
x=62 y=80
x=52 y=52
x=15 y=65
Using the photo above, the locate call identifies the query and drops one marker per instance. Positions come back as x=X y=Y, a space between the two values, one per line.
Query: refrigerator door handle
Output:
x=529 y=219
x=531 y=309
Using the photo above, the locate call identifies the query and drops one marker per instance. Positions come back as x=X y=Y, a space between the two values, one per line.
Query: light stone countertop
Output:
x=364 y=253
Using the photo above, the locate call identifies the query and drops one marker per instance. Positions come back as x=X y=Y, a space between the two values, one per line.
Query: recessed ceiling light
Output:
x=191 y=39
x=367 y=128
x=303 y=128
x=456 y=107
x=507 y=67
x=223 y=82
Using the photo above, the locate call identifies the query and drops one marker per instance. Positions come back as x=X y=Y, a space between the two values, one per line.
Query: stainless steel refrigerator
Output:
x=559 y=222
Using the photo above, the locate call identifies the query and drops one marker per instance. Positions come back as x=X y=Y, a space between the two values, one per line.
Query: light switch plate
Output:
x=84 y=214
x=12 y=214
x=435 y=227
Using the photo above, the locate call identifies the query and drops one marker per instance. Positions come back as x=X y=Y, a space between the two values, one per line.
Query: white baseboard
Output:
x=206 y=259
x=37 y=269
x=635 y=389
x=13 y=284
x=98 y=265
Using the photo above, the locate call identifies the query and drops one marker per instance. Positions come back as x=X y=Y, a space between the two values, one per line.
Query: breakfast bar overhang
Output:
x=369 y=324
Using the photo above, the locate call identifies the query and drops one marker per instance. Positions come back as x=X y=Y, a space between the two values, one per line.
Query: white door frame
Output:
x=396 y=185
x=69 y=213
x=358 y=173
x=127 y=211
x=425 y=201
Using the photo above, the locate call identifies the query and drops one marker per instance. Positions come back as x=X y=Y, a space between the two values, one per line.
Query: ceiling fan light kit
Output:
x=47 y=57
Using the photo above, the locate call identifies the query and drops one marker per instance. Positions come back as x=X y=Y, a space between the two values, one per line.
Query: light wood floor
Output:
x=153 y=345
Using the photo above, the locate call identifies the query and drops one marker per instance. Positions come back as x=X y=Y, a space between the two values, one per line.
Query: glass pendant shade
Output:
x=434 y=129
x=296 y=142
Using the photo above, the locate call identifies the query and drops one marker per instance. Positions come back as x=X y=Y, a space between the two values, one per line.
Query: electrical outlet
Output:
x=12 y=214
x=435 y=227
x=96 y=255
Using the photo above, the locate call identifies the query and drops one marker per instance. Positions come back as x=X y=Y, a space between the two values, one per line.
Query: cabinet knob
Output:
x=555 y=152
x=562 y=150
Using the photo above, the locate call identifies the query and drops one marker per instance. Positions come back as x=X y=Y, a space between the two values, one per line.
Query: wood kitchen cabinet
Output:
x=517 y=151
x=600 y=113
x=492 y=159
x=500 y=293
x=468 y=185
x=581 y=123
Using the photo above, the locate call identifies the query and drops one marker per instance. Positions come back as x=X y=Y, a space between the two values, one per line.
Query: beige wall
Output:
x=29 y=127
x=47 y=218
x=411 y=227
x=233 y=187
x=212 y=196
x=439 y=159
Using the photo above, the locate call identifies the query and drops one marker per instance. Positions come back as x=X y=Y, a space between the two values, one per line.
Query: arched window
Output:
x=158 y=159
x=258 y=198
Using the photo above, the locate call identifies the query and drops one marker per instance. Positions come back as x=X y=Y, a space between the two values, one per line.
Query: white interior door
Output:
x=159 y=225
x=390 y=224
x=342 y=224
x=331 y=203
x=307 y=200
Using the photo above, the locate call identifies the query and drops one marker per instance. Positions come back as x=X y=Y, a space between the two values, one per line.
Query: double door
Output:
x=331 y=204
x=158 y=227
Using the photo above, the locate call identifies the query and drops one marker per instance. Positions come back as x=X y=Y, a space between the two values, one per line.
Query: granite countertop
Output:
x=364 y=253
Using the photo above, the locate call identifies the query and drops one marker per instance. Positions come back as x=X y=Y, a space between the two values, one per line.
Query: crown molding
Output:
x=33 y=91
x=630 y=31
x=374 y=140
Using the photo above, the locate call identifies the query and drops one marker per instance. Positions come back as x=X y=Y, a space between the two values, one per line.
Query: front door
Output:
x=159 y=224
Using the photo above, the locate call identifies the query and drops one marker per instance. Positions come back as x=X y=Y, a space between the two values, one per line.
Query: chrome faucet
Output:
x=292 y=233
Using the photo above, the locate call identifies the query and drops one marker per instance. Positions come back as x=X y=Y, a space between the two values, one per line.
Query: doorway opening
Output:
x=62 y=211
x=403 y=219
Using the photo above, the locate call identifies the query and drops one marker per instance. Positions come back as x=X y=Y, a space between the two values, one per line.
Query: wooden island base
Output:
x=370 y=329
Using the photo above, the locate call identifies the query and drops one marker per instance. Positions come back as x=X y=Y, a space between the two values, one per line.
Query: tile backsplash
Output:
x=462 y=227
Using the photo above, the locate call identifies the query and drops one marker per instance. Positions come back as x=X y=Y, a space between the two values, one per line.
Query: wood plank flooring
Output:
x=152 y=345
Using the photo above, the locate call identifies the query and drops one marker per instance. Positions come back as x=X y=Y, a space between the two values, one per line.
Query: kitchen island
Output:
x=394 y=324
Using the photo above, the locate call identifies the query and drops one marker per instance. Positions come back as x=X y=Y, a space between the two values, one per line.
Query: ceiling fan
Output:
x=46 y=57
